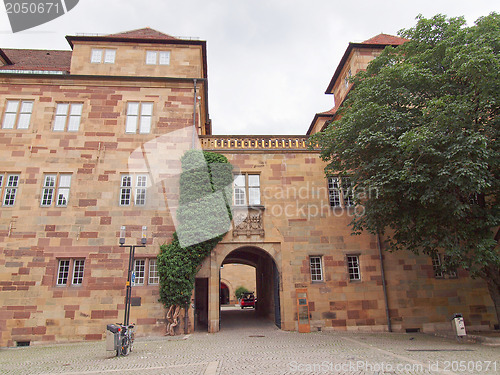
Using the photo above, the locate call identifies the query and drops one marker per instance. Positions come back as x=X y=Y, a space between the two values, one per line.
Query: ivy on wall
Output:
x=204 y=218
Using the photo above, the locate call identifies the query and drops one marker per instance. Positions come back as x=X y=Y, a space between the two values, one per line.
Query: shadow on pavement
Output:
x=235 y=318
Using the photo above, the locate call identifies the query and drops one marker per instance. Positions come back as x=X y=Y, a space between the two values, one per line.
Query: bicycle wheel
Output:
x=125 y=348
x=132 y=337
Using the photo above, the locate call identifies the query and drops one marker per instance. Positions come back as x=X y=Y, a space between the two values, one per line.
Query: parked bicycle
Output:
x=122 y=340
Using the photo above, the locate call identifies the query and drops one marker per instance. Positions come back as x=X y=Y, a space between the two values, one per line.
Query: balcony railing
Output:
x=246 y=143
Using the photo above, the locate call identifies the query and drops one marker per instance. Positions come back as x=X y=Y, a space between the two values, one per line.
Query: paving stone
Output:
x=247 y=345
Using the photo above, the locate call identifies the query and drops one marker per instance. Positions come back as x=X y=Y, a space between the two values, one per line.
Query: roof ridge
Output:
x=384 y=38
x=141 y=33
x=36 y=49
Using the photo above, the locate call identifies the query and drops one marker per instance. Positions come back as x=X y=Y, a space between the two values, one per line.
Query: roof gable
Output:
x=386 y=39
x=144 y=33
x=377 y=42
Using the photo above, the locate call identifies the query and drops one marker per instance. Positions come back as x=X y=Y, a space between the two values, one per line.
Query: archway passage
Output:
x=267 y=288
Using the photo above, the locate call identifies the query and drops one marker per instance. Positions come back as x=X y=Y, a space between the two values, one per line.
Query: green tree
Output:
x=419 y=137
x=240 y=291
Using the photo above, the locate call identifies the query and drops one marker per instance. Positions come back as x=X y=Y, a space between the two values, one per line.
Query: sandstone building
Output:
x=90 y=142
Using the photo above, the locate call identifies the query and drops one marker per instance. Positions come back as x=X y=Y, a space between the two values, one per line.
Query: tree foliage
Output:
x=204 y=217
x=240 y=291
x=419 y=134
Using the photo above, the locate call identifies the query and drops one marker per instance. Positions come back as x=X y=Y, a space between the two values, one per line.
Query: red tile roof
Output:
x=377 y=42
x=145 y=33
x=386 y=39
x=32 y=59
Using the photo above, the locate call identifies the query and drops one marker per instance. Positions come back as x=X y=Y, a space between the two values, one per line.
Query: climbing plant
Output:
x=204 y=217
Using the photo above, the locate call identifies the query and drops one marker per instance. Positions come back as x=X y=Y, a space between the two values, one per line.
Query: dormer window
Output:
x=109 y=56
x=157 y=57
x=99 y=55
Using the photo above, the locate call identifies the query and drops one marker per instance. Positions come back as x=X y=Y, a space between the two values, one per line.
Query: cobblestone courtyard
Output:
x=248 y=346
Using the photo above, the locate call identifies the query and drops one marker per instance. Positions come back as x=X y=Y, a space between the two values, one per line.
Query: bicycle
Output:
x=124 y=336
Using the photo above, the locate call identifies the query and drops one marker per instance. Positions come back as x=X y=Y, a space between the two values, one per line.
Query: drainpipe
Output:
x=193 y=143
x=384 y=286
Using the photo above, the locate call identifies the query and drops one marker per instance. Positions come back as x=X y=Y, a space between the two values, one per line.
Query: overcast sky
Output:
x=269 y=62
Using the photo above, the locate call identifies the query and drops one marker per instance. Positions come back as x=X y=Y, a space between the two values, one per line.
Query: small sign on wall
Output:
x=303 y=311
x=135 y=301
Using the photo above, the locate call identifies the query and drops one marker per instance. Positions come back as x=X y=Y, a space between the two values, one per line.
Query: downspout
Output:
x=384 y=285
x=193 y=143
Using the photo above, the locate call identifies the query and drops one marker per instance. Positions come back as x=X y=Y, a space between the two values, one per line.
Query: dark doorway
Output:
x=201 y=304
x=224 y=294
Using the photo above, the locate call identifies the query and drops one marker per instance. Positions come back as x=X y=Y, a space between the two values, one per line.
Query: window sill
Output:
x=253 y=207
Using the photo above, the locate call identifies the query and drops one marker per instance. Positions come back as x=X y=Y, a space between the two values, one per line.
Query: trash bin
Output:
x=458 y=325
x=113 y=338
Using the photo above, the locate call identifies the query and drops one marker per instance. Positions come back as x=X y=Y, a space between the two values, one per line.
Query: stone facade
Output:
x=34 y=238
x=289 y=228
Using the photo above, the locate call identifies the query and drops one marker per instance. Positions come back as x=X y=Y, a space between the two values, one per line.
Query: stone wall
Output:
x=34 y=238
x=297 y=216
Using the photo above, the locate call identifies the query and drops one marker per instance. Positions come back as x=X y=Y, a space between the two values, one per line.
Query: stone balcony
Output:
x=256 y=143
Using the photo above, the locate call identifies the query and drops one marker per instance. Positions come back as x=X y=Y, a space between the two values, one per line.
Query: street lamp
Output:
x=130 y=268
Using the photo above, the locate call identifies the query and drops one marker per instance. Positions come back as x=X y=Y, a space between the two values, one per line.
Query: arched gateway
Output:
x=265 y=257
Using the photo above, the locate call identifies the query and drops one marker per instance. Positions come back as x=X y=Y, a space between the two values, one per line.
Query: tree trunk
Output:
x=492 y=278
x=172 y=319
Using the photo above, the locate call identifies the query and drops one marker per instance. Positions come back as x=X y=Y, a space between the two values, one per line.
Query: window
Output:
x=438 y=270
x=97 y=54
x=154 y=278
x=48 y=190
x=140 y=190
x=109 y=56
x=157 y=57
x=341 y=192
x=68 y=116
x=17 y=114
x=146 y=272
x=125 y=190
x=64 y=270
x=246 y=190
x=139 y=114
x=78 y=268
x=347 y=77
x=316 y=268
x=353 y=267
x=9 y=184
x=63 y=184
x=139 y=270
x=347 y=192
x=334 y=191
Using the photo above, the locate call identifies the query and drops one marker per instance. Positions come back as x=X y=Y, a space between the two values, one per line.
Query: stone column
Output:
x=213 y=294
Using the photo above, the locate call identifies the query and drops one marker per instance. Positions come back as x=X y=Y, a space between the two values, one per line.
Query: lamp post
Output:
x=130 y=268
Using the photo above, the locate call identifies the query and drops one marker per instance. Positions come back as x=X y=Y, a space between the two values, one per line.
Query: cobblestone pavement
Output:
x=248 y=346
